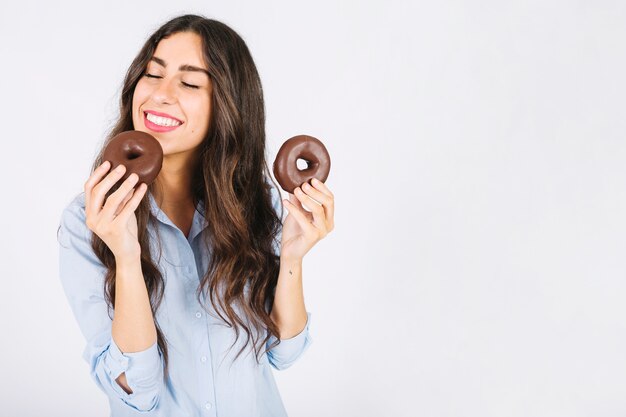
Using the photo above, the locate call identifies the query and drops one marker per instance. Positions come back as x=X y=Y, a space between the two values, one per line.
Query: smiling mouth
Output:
x=161 y=121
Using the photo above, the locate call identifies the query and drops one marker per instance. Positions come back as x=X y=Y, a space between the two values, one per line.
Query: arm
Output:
x=133 y=326
x=135 y=363
x=288 y=312
x=290 y=316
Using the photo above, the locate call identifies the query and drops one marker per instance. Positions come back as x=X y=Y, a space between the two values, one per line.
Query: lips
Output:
x=160 y=122
x=160 y=114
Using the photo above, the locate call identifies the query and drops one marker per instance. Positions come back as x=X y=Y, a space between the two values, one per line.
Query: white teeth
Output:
x=162 y=121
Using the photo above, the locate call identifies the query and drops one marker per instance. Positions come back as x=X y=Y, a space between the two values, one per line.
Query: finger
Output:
x=319 y=217
x=114 y=201
x=307 y=201
x=316 y=194
x=328 y=203
x=95 y=178
x=133 y=203
x=299 y=214
x=296 y=202
x=98 y=193
x=322 y=187
x=121 y=206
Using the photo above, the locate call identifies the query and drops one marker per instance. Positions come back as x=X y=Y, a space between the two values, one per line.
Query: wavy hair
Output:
x=230 y=179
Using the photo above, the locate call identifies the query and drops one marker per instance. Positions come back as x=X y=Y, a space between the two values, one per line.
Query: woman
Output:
x=161 y=286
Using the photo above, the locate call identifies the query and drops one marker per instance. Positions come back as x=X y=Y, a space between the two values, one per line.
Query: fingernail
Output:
x=306 y=186
x=120 y=168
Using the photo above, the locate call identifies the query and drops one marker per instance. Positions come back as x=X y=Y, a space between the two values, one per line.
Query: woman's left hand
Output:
x=303 y=229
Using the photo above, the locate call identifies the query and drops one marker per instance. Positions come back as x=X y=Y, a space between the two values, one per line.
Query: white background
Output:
x=478 y=164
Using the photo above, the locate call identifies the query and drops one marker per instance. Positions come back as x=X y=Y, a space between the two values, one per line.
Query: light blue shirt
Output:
x=203 y=380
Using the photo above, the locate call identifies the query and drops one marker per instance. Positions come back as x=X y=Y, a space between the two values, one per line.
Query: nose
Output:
x=164 y=92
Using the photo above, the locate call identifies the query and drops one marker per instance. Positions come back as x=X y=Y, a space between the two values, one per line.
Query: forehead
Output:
x=181 y=48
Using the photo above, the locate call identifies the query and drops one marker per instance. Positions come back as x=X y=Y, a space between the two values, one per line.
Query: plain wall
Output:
x=478 y=259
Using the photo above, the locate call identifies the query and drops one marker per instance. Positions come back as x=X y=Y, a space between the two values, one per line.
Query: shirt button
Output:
x=208 y=406
x=203 y=359
x=198 y=314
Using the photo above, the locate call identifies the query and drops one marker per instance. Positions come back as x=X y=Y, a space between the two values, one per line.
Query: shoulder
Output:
x=72 y=220
x=75 y=208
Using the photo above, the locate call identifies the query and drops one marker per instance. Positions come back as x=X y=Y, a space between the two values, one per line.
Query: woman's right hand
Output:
x=114 y=221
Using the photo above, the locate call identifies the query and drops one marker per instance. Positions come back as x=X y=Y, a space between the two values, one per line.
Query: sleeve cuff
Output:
x=142 y=368
x=289 y=350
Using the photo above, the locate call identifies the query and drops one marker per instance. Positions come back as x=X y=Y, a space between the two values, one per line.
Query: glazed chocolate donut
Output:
x=308 y=148
x=139 y=152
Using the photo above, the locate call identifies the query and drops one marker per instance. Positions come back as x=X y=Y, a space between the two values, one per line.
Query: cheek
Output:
x=200 y=116
x=139 y=95
x=202 y=112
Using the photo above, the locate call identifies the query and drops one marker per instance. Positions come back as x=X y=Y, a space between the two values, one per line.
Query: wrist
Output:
x=290 y=262
x=127 y=261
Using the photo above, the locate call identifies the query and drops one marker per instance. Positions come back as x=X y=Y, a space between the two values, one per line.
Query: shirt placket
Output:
x=196 y=313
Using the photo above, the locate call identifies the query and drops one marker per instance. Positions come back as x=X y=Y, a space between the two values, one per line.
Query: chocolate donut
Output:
x=139 y=152
x=305 y=147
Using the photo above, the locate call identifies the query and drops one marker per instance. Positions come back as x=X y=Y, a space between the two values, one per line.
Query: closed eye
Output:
x=183 y=83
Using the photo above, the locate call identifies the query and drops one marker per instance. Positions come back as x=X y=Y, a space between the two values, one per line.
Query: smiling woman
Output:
x=161 y=286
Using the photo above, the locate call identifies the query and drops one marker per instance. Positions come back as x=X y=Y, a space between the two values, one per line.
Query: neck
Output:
x=174 y=182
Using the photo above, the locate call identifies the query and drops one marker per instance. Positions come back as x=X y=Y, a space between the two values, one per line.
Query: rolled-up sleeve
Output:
x=82 y=276
x=289 y=350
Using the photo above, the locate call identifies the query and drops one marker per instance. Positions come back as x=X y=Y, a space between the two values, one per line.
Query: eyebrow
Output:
x=185 y=67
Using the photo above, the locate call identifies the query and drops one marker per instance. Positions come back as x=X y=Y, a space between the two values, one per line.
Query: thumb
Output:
x=294 y=200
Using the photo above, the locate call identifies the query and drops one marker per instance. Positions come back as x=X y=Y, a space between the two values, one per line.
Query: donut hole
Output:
x=302 y=164
x=133 y=155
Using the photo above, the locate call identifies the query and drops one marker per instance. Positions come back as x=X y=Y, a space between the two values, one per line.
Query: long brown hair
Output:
x=231 y=180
